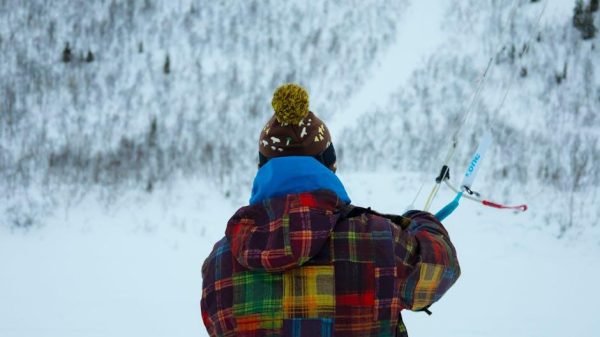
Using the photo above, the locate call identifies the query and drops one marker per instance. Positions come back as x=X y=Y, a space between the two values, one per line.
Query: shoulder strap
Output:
x=351 y=211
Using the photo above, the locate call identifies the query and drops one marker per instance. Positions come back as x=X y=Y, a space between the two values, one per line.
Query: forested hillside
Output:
x=121 y=94
x=547 y=131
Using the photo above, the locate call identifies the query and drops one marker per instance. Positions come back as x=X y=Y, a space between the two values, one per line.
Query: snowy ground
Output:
x=419 y=35
x=135 y=271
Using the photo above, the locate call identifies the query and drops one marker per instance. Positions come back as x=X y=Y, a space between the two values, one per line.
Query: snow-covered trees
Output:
x=545 y=136
x=583 y=18
x=123 y=94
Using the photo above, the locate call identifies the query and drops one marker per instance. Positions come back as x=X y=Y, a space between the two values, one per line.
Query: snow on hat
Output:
x=294 y=130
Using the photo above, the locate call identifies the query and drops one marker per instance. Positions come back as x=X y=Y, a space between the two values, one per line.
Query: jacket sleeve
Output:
x=426 y=260
x=217 y=291
x=208 y=301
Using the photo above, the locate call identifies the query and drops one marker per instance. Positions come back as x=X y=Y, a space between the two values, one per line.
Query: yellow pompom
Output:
x=290 y=102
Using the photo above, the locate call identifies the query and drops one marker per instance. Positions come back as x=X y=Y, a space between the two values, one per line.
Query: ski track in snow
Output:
x=135 y=271
x=418 y=36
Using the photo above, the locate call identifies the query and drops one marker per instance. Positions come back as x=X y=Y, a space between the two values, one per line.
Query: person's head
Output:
x=294 y=130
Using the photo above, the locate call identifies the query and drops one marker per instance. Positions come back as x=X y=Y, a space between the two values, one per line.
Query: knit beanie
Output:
x=294 y=130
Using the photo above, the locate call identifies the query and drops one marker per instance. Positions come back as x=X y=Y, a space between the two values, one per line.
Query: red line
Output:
x=522 y=208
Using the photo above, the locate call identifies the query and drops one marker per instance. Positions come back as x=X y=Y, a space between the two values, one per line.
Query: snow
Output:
x=419 y=34
x=555 y=9
x=132 y=269
x=131 y=266
x=135 y=269
x=516 y=280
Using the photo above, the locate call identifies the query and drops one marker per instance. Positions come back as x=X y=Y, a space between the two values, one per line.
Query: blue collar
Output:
x=290 y=175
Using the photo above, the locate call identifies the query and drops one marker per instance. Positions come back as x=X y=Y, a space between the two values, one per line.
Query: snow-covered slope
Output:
x=124 y=121
x=116 y=167
x=547 y=132
x=171 y=87
x=414 y=42
x=134 y=270
x=390 y=78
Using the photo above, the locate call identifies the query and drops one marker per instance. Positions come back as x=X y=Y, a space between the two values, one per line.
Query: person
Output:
x=301 y=260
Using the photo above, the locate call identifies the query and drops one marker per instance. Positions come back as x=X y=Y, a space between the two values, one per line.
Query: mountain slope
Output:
x=546 y=134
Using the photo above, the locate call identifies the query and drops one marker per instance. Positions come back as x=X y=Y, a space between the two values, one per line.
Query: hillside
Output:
x=116 y=95
x=546 y=132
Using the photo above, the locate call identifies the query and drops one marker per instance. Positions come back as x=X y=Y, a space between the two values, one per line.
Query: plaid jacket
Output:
x=309 y=265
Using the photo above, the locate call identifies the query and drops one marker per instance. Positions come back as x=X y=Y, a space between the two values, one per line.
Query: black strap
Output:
x=426 y=310
x=353 y=211
x=444 y=174
x=470 y=191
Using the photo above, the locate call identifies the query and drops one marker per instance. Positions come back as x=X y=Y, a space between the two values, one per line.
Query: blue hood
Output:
x=290 y=175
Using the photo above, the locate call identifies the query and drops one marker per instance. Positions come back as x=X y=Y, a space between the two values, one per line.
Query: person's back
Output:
x=300 y=260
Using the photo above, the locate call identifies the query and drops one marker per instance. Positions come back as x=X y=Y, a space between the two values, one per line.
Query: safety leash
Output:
x=476 y=196
x=469 y=177
x=466 y=187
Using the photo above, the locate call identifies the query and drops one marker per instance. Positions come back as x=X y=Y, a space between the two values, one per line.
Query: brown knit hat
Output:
x=293 y=130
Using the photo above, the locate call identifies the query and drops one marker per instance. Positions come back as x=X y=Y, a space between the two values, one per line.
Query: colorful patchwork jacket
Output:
x=309 y=264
